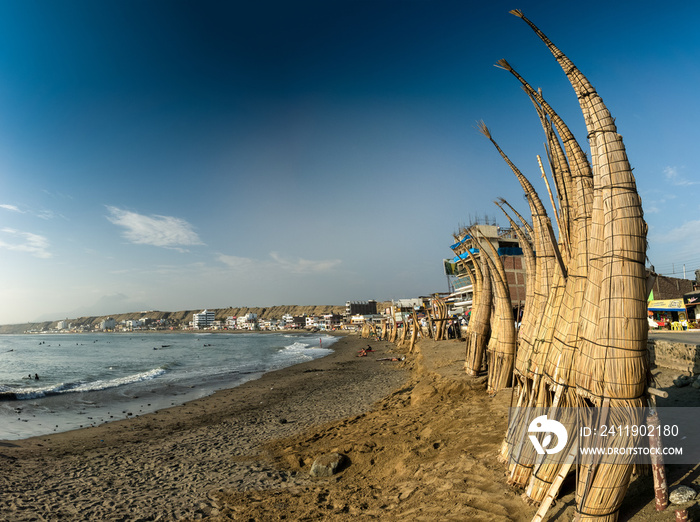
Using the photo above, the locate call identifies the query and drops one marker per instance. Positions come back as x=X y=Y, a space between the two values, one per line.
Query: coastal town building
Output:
x=404 y=308
x=203 y=319
x=330 y=322
x=298 y=322
x=248 y=321
x=311 y=321
x=359 y=320
x=269 y=324
x=507 y=245
x=665 y=287
x=133 y=324
x=691 y=301
x=672 y=300
x=360 y=307
x=108 y=324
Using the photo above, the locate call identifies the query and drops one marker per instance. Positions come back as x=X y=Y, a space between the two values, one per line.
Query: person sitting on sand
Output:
x=369 y=348
x=363 y=353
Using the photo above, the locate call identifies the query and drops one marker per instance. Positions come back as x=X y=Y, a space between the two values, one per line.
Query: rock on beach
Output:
x=328 y=465
x=682 y=495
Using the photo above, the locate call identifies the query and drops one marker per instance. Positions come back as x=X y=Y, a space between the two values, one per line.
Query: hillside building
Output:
x=360 y=308
x=108 y=324
x=203 y=319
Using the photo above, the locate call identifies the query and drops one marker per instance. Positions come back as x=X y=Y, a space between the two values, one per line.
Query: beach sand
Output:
x=420 y=436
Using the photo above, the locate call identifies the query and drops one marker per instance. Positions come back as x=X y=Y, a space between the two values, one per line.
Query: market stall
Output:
x=666 y=312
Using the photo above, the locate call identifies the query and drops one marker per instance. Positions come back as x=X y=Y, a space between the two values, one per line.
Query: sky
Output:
x=172 y=155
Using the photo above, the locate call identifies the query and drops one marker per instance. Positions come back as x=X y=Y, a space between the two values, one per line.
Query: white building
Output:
x=357 y=320
x=311 y=321
x=248 y=321
x=132 y=324
x=269 y=324
x=203 y=319
x=329 y=322
x=108 y=324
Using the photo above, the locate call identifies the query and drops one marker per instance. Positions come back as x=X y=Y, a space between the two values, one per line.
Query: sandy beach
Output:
x=421 y=439
x=164 y=466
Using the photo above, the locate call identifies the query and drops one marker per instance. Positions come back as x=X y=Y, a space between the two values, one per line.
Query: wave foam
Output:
x=62 y=388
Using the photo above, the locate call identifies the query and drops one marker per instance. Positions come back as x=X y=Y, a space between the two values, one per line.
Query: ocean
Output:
x=88 y=379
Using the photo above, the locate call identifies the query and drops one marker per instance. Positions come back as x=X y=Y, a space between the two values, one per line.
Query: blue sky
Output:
x=176 y=155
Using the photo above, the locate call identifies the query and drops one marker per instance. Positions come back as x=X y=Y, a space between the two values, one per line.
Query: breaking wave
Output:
x=9 y=393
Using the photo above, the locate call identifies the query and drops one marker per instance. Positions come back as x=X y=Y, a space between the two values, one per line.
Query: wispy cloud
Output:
x=41 y=214
x=278 y=263
x=11 y=208
x=304 y=266
x=34 y=244
x=685 y=233
x=47 y=214
x=161 y=231
x=674 y=177
x=237 y=263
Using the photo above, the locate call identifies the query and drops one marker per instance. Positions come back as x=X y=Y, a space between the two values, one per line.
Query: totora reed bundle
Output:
x=582 y=339
x=501 y=347
x=585 y=345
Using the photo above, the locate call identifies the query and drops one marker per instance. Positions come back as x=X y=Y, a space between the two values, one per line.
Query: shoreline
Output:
x=50 y=406
x=165 y=463
x=291 y=331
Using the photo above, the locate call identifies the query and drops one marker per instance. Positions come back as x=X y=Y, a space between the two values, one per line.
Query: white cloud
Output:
x=162 y=231
x=41 y=214
x=685 y=233
x=237 y=263
x=19 y=241
x=11 y=208
x=674 y=177
x=278 y=263
x=46 y=214
x=304 y=266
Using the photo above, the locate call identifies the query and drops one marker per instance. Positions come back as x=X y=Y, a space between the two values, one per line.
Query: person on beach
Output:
x=36 y=376
x=363 y=353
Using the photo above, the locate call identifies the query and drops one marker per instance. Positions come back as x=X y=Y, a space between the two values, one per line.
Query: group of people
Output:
x=365 y=351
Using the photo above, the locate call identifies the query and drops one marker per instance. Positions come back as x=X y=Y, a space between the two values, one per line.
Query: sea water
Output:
x=87 y=379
